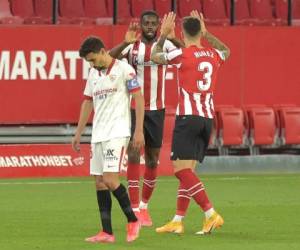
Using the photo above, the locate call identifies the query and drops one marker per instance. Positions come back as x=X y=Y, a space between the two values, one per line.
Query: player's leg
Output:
x=194 y=150
x=114 y=151
x=103 y=197
x=153 y=127
x=133 y=170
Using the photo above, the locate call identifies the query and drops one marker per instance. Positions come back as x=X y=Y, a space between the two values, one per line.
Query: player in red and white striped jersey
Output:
x=152 y=80
x=197 y=72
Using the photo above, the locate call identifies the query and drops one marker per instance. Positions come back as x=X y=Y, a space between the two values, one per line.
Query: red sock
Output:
x=190 y=181
x=133 y=178
x=149 y=183
x=183 y=200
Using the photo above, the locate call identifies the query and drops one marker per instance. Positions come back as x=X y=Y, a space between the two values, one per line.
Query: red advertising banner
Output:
x=56 y=160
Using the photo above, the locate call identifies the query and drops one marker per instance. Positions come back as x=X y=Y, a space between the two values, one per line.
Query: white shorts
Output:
x=108 y=156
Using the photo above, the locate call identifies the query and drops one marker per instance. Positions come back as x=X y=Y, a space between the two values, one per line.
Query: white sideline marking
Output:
x=233 y=178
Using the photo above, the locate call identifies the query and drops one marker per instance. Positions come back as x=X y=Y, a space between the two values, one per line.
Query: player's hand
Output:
x=168 y=24
x=196 y=14
x=132 y=35
x=138 y=139
x=76 y=143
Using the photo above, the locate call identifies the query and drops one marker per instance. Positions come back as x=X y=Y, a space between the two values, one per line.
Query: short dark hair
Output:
x=91 y=44
x=149 y=13
x=191 y=26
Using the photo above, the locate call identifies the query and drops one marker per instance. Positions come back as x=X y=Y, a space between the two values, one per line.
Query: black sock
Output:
x=122 y=196
x=104 y=203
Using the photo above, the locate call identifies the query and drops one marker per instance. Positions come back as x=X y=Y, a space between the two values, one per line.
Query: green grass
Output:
x=260 y=212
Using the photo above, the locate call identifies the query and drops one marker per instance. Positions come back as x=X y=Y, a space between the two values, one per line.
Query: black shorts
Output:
x=190 y=137
x=153 y=127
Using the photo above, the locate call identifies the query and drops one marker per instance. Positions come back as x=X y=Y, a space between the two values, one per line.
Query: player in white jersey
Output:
x=197 y=72
x=107 y=92
x=152 y=79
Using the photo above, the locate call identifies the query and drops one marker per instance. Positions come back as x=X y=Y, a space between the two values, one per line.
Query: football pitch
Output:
x=260 y=212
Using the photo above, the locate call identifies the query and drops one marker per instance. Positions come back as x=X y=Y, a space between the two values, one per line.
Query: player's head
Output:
x=149 y=24
x=191 y=28
x=92 y=50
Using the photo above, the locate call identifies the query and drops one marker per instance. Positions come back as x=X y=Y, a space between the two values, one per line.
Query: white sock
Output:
x=136 y=209
x=178 y=218
x=209 y=213
x=143 y=205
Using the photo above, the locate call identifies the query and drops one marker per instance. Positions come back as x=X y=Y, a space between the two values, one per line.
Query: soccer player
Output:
x=197 y=71
x=152 y=79
x=107 y=92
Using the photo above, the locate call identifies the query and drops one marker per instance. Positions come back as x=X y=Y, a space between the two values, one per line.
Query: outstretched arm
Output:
x=212 y=40
x=131 y=36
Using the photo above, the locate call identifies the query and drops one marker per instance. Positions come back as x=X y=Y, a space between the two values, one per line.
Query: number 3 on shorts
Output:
x=205 y=85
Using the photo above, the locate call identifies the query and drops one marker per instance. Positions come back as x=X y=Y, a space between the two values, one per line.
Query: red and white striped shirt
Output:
x=150 y=76
x=197 y=73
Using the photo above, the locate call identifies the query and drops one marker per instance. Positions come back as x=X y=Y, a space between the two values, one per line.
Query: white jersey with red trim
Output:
x=150 y=75
x=197 y=73
x=110 y=91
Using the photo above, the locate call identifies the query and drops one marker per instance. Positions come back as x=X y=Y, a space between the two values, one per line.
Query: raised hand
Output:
x=168 y=25
x=132 y=35
x=196 y=14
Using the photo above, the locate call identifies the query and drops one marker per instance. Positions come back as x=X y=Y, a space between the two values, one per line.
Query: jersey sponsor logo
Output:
x=103 y=93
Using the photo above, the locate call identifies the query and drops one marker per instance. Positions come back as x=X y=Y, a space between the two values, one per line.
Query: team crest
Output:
x=112 y=77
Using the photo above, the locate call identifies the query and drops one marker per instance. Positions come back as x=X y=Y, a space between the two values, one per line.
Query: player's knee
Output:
x=152 y=162
x=110 y=182
x=133 y=156
x=100 y=185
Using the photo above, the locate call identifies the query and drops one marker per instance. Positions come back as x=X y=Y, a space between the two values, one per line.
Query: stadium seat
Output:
x=231 y=128
x=262 y=127
x=124 y=15
x=71 y=8
x=281 y=10
x=242 y=12
x=43 y=8
x=290 y=125
x=261 y=12
x=162 y=7
x=98 y=10
x=25 y=9
x=95 y=8
x=22 y=8
x=138 y=6
x=214 y=12
x=5 y=15
x=185 y=7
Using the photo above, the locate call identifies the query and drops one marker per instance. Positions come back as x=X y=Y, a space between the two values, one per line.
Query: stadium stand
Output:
x=98 y=10
x=25 y=9
x=242 y=12
x=262 y=128
x=124 y=13
x=184 y=7
x=215 y=12
x=231 y=131
x=281 y=11
x=138 y=6
x=262 y=13
x=162 y=7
